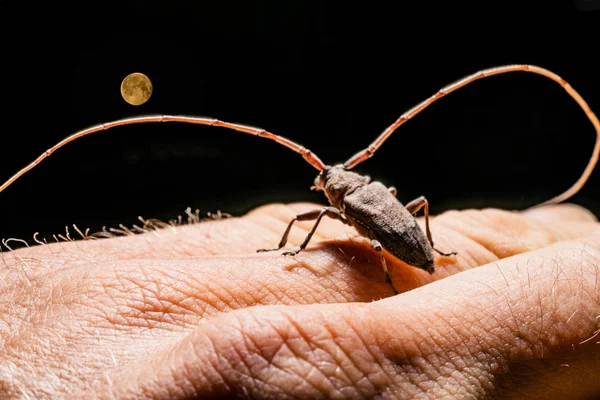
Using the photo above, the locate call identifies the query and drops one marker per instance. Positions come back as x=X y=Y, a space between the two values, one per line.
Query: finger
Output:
x=526 y=326
x=479 y=236
x=264 y=227
x=492 y=234
x=261 y=228
x=555 y=212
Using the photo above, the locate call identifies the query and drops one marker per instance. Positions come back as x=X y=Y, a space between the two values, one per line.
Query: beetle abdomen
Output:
x=377 y=214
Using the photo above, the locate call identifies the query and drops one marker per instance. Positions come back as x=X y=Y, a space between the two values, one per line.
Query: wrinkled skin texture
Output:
x=195 y=312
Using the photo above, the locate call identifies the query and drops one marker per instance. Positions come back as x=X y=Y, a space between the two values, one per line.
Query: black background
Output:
x=329 y=76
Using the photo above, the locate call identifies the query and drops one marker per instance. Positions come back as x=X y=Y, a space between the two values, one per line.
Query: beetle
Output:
x=373 y=210
x=370 y=207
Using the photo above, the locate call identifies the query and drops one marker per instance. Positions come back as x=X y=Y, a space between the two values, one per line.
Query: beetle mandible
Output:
x=370 y=207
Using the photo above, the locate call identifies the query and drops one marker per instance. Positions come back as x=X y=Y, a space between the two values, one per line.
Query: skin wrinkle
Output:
x=137 y=312
x=274 y=293
x=402 y=350
x=250 y=383
x=253 y=346
x=318 y=345
x=209 y=290
x=213 y=290
x=150 y=390
x=498 y=244
x=229 y=298
x=289 y=342
x=22 y=322
x=129 y=299
x=479 y=363
x=325 y=277
x=183 y=387
x=366 y=376
x=501 y=324
x=319 y=256
x=480 y=253
x=463 y=364
x=356 y=281
x=237 y=295
x=531 y=294
x=556 y=265
x=114 y=323
x=431 y=367
x=365 y=351
x=14 y=313
x=281 y=294
x=257 y=381
x=246 y=331
x=24 y=364
x=584 y=301
x=333 y=340
x=215 y=363
x=265 y=295
x=14 y=272
x=271 y=290
x=219 y=362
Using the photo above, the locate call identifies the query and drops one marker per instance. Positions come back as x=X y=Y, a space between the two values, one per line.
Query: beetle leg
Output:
x=331 y=212
x=378 y=248
x=307 y=216
x=413 y=207
x=393 y=190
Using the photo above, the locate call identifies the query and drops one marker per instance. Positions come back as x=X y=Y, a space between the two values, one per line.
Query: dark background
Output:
x=328 y=76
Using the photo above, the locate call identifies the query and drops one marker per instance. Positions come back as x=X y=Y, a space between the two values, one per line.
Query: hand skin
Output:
x=195 y=312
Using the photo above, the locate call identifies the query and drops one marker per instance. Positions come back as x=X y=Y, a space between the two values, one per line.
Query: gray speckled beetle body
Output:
x=374 y=211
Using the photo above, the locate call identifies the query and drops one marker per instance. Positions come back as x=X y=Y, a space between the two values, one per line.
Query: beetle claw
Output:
x=291 y=253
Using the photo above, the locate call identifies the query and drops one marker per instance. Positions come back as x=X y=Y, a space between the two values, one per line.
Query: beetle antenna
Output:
x=308 y=155
x=369 y=151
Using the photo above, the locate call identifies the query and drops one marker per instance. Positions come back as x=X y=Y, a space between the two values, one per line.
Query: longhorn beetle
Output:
x=370 y=207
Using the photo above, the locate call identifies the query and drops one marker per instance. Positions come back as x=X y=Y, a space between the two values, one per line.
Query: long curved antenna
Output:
x=368 y=152
x=309 y=156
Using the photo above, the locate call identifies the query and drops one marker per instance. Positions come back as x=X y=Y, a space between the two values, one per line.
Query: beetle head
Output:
x=336 y=182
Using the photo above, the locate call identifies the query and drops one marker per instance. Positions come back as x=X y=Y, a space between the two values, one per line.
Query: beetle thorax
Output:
x=336 y=182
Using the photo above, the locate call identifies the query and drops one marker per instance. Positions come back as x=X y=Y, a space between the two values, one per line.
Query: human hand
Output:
x=194 y=311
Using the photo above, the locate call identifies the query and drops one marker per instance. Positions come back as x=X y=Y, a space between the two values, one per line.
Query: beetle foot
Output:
x=291 y=252
x=267 y=250
x=452 y=253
